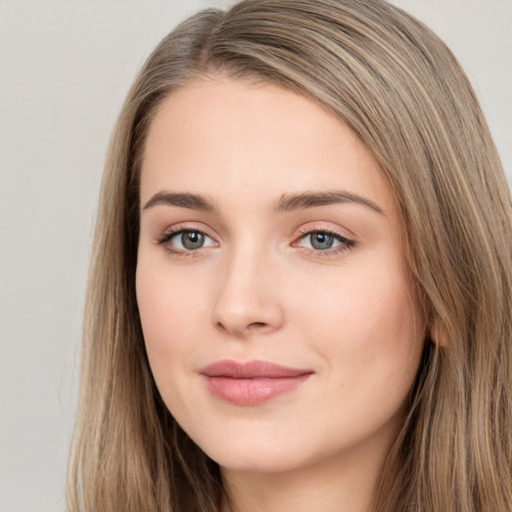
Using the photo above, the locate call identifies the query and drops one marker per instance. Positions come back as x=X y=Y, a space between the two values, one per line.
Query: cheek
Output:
x=169 y=312
x=368 y=325
x=369 y=334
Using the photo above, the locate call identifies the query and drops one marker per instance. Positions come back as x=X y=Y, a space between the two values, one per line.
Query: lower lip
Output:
x=253 y=391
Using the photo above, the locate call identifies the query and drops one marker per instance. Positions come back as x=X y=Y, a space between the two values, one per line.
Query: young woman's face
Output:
x=278 y=311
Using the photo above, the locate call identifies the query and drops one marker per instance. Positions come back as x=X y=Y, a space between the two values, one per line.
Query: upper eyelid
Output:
x=180 y=227
x=313 y=227
x=324 y=229
x=170 y=234
x=341 y=238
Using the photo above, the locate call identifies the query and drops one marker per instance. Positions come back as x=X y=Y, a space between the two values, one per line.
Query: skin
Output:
x=258 y=289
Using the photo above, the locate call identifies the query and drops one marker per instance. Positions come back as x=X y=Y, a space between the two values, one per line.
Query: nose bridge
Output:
x=246 y=300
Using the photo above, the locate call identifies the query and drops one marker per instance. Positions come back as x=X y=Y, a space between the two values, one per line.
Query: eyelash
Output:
x=345 y=243
x=175 y=231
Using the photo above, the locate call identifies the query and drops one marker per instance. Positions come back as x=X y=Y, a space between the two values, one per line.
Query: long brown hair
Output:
x=401 y=91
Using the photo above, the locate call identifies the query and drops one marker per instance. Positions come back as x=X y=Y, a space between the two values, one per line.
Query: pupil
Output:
x=321 y=241
x=192 y=240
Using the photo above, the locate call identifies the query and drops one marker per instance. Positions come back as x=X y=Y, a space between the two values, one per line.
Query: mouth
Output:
x=253 y=382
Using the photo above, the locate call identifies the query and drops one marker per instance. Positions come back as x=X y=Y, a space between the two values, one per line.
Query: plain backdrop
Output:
x=65 y=67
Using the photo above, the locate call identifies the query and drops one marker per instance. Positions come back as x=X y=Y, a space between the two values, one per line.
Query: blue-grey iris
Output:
x=321 y=241
x=192 y=240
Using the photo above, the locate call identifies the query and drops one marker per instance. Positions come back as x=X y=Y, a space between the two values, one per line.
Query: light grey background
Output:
x=65 y=67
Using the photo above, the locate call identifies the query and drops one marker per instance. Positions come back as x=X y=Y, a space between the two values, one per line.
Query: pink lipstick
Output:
x=253 y=382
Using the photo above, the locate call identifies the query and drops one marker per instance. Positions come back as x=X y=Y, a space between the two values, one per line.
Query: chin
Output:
x=257 y=464
x=255 y=456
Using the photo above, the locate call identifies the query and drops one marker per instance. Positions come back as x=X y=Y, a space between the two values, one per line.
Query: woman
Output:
x=300 y=295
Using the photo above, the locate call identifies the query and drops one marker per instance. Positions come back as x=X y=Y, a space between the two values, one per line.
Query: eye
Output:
x=186 y=240
x=321 y=241
x=189 y=240
x=325 y=241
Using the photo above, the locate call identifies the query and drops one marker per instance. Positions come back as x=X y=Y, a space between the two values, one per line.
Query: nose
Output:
x=247 y=301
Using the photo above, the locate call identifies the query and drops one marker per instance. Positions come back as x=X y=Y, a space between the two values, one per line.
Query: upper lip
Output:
x=251 y=370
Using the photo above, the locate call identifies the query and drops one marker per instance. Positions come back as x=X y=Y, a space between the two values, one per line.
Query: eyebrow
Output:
x=286 y=203
x=291 y=202
x=183 y=200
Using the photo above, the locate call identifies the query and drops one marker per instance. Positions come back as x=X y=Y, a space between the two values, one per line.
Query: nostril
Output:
x=257 y=324
x=253 y=325
x=220 y=325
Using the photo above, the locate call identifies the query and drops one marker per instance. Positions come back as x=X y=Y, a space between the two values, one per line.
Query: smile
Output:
x=251 y=383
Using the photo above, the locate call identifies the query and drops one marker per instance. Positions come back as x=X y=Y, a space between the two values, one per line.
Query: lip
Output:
x=253 y=382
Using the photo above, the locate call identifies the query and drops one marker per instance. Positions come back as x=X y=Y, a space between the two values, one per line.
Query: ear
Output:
x=438 y=333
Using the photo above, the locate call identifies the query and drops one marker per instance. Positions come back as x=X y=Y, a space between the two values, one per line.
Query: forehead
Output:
x=221 y=137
